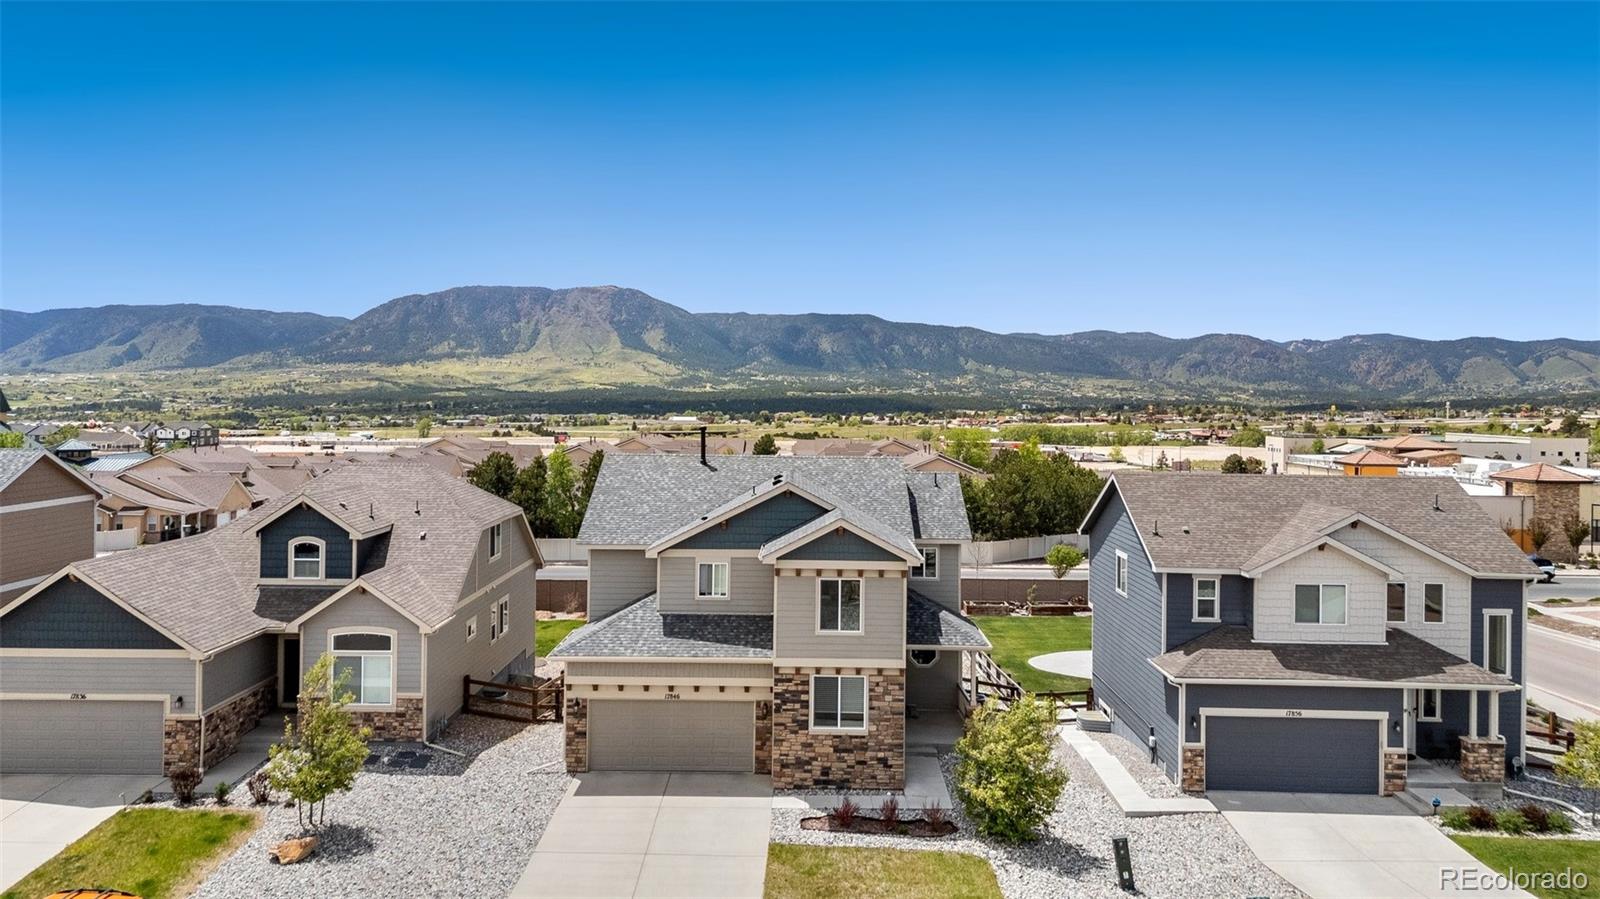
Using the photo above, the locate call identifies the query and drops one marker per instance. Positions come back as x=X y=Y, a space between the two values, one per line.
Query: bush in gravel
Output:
x=1538 y=819
x=260 y=785
x=1480 y=818
x=889 y=810
x=325 y=754
x=1511 y=821
x=1006 y=776
x=934 y=815
x=845 y=813
x=222 y=791
x=1557 y=822
x=1456 y=819
x=184 y=779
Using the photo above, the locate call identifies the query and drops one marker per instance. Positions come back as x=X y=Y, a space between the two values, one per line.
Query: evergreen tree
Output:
x=528 y=492
x=496 y=474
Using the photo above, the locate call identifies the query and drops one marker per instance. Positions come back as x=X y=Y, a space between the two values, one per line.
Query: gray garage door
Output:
x=643 y=735
x=84 y=737
x=1301 y=755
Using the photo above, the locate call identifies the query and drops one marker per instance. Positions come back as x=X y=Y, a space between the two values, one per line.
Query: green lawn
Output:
x=806 y=872
x=551 y=631
x=1537 y=856
x=1016 y=640
x=153 y=853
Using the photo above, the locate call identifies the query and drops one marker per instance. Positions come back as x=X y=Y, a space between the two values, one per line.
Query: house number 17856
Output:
x=1293 y=713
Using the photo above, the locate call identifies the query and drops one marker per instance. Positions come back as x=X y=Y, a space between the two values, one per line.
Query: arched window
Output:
x=306 y=556
x=365 y=659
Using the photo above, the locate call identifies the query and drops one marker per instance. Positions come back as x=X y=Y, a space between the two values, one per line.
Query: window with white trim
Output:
x=366 y=661
x=499 y=619
x=838 y=702
x=472 y=628
x=1122 y=572
x=1395 y=603
x=496 y=540
x=1497 y=642
x=1429 y=703
x=305 y=559
x=1433 y=603
x=1207 y=600
x=1319 y=603
x=839 y=605
x=712 y=581
x=930 y=563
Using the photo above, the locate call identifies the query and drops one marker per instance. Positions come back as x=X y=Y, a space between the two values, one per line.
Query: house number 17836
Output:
x=1293 y=713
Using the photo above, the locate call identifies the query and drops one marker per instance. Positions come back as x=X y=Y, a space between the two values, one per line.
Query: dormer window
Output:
x=496 y=540
x=306 y=559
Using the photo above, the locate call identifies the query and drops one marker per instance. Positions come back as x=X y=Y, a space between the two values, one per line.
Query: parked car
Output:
x=1544 y=565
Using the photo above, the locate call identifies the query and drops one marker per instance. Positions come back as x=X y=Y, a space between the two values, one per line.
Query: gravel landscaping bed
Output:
x=1137 y=760
x=1176 y=856
x=462 y=827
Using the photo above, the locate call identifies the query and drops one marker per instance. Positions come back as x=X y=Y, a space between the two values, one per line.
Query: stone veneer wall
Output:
x=180 y=744
x=404 y=723
x=577 y=735
x=763 y=736
x=227 y=724
x=1394 y=771
x=875 y=760
x=1483 y=760
x=1194 y=769
x=1553 y=505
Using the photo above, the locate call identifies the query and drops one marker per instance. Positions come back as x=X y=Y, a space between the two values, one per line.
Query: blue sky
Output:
x=1287 y=170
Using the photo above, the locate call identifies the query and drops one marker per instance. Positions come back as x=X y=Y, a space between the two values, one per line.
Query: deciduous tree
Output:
x=497 y=473
x=324 y=754
x=1006 y=777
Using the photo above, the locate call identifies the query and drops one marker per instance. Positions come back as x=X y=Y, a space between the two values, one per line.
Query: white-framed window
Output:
x=1122 y=573
x=1319 y=603
x=1497 y=641
x=307 y=559
x=497 y=543
x=499 y=618
x=472 y=628
x=839 y=605
x=930 y=563
x=1395 y=603
x=711 y=580
x=1433 y=603
x=366 y=657
x=1429 y=704
x=1207 y=600
x=838 y=702
x=924 y=658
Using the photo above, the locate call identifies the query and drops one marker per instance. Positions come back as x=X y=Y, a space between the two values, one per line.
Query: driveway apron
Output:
x=40 y=814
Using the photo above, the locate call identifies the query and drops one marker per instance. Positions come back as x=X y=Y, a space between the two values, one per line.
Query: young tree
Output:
x=560 y=501
x=1538 y=535
x=527 y=491
x=925 y=434
x=1062 y=558
x=424 y=426
x=1576 y=530
x=1249 y=435
x=1237 y=464
x=1006 y=777
x=324 y=754
x=765 y=446
x=497 y=473
x=1317 y=446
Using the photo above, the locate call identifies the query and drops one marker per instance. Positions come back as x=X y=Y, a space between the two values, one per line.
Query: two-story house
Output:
x=137 y=662
x=1306 y=634
x=766 y=614
x=47 y=518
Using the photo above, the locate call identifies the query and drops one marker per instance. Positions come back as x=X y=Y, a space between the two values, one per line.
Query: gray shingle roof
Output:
x=1221 y=521
x=1230 y=653
x=930 y=624
x=13 y=462
x=641 y=498
x=642 y=630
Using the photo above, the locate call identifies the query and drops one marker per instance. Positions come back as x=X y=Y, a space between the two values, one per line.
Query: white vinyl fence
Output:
x=995 y=552
x=115 y=541
x=556 y=550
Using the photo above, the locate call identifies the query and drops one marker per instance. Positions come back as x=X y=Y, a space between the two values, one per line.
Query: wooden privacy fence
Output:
x=540 y=702
x=564 y=596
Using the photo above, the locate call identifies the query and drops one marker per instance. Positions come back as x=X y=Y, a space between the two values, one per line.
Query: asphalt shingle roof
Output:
x=640 y=498
x=930 y=624
x=642 y=630
x=1231 y=653
x=13 y=462
x=1209 y=520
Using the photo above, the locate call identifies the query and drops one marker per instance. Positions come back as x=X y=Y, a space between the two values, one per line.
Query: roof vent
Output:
x=1156 y=531
x=423 y=535
x=1436 y=503
x=418 y=509
x=1186 y=529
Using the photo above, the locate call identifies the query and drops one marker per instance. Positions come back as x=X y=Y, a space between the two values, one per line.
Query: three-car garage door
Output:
x=663 y=735
x=1300 y=755
x=80 y=737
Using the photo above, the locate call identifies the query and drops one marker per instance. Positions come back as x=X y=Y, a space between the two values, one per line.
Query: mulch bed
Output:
x=916 y=827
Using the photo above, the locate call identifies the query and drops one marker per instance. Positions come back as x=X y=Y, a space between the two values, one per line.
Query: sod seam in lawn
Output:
x=1017 y=639
x=1527 y=855
x=807 y=872
x=154 y=853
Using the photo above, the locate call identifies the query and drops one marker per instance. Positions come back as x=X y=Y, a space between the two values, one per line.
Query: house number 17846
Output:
x=674 y=696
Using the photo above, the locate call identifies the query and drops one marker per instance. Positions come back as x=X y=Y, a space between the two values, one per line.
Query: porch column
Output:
x=1472 y=713
x=972 y=664
x=1494 y=715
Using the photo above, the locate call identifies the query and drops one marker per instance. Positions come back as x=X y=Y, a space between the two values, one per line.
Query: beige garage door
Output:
x=82 y=737
x=665 y=735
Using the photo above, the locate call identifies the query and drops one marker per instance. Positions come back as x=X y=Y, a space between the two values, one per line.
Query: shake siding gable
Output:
x=304 y=522
x=1453 y=633
x=1127 y=634
x=1365 y=591
x=757 y=525
x=841 y=546
x=617 y=577
x=70 y=614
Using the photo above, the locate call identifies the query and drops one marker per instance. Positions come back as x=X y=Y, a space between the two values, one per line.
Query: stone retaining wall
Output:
x=874 y=760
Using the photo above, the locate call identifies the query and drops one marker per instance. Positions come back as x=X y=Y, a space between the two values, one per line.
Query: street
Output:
x=1563 y=670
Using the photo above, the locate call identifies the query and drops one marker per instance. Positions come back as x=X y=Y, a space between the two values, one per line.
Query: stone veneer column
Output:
x=1194 y=769
x=1394 y=771
x=577 y=729
x=180 y=744
x=763 y=760
x=1483 y=760
x=875 y=760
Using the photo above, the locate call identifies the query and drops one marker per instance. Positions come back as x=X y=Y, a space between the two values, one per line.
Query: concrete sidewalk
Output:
x=1129 y=796
x=40 y=814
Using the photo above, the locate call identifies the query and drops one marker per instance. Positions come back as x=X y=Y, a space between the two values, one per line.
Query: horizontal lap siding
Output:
x=749 y=586
x=40 y=542
x=362 y=610
x=1234 y=593
x=617 y=577
x=238 y=669
x=452 y=656
x=936 y=686
x=794 y=622
x=1508 y=595
x=70 y=614
x=946 y=588
x=44 y=480
x=514 y=550
x=62 y=675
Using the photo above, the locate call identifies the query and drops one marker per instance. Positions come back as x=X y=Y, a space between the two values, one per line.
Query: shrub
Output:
x=1558 y=822
x=1538 y=819
x=934 y=814
x=845 y=814
x=1006 y=777
x=1480 y=818
x=260 y=784
x=1063 y=558
x=222 y=791
x=184 y=778
x=889 y=811
x=1511 y=821
x=1456 y=819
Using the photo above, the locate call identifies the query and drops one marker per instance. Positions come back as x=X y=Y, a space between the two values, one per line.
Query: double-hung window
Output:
x=1207 y=604
x=1122 y=572
x=1428 y=702
x=305 y=559
x=1433 y=603
x=496 y=540
x=712 y=581
x=1497 y=642
x=930 y=563
x=472 y=628
x=839 y=605
x=499 y=619
x=366 y=662
x=838 y=702
x=1395 y=610
x=1319 y=604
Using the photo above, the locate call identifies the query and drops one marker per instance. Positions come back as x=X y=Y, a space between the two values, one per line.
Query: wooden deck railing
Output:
x=543 y=700
x=1547 y=726
x=992 y=681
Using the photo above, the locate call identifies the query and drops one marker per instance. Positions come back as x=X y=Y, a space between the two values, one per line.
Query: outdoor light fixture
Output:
x=178 y=702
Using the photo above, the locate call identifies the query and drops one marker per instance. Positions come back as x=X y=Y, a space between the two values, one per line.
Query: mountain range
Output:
x=627 y=336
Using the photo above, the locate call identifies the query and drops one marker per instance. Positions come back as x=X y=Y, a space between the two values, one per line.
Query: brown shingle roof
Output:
x=1230 y=653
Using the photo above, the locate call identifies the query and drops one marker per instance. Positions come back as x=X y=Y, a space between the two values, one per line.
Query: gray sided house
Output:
x=141 y=661
x=766 y=614
x=1306 y=634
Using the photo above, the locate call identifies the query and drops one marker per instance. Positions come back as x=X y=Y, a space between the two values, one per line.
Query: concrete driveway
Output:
x=654 y=834
x=41 y=813
x=1349 y=847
